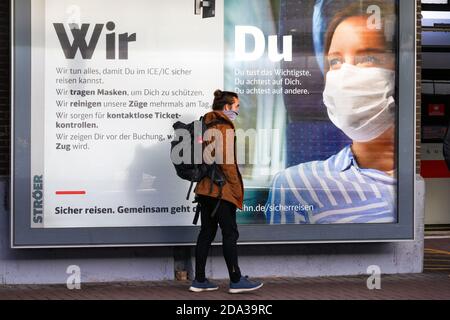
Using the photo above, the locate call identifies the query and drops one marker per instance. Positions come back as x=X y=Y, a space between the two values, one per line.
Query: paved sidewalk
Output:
x=433 y=284
x=397 y=287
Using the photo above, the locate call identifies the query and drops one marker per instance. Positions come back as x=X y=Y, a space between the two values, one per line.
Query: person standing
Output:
x=218 y=205
x=447 y=147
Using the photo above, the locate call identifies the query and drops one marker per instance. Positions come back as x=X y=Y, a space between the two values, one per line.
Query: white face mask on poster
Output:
x=360 y=101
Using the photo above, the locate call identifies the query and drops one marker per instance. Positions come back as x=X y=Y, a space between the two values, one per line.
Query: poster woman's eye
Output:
x=335 y=63
x=368 y=61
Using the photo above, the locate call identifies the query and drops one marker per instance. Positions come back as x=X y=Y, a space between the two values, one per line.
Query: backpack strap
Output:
x=189 y=191
x=211 y=178
x=213 y=214
x=197 y=211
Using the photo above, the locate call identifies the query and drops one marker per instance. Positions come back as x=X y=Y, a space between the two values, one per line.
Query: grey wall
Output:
x=147 y=264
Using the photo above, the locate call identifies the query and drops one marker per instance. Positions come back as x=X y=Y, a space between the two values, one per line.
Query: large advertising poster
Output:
x=113 y=83
x=317 y=136
x=329 y=86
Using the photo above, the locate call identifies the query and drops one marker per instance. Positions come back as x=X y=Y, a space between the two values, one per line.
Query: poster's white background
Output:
x=115 y=172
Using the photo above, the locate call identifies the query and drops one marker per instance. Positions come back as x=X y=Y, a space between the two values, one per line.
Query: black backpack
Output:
x=197 y=169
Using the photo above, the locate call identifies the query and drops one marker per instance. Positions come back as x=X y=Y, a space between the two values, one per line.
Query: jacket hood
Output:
x=217 y=115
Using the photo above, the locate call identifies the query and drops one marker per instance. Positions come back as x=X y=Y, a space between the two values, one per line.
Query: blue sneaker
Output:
x=203 y=286
x=244 y=285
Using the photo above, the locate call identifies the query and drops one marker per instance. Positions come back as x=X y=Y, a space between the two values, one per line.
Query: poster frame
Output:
x=23 y=236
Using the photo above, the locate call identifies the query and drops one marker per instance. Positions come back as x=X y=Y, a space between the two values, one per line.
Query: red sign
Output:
x=436 y=110
x=434 y=169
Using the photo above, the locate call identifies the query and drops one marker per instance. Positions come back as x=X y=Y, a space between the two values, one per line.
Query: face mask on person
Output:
x=360 y=101
x=232 y=115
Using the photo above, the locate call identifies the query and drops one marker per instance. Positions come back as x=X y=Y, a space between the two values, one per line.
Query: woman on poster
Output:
x=357 y=185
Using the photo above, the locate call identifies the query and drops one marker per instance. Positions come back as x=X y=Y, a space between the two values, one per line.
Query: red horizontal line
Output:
x=65 y=193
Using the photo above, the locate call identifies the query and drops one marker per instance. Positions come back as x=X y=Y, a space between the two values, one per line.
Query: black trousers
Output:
x=225 y=217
